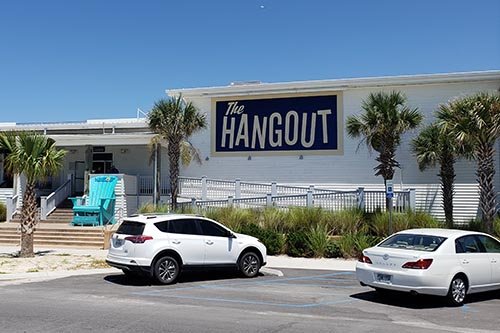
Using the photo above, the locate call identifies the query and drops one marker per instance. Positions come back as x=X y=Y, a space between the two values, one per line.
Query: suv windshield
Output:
x=413 y=242
x=131 y=228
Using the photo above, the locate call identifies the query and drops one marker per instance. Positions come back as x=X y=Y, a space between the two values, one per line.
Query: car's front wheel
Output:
x=458 y=291
x=166 y=270
x=249 y=264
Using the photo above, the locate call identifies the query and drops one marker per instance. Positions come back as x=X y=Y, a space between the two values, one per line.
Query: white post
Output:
x=10 y=209
x=193 y=202
x=230 y=201
x=311 y=188
x=204 y=188
x=43 y=208
x=269 y=200
x=361 y=198
x=274 y=189
x=413 y=199
x=310 y=201
x=237 y=188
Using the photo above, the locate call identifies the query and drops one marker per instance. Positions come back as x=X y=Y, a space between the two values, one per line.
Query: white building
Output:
x=291 y=133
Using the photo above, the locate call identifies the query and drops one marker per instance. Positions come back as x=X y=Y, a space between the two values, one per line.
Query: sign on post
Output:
x=389 y=189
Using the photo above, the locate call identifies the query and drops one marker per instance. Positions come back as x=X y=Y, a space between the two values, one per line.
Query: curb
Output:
x=271 y=272
x=18 y=278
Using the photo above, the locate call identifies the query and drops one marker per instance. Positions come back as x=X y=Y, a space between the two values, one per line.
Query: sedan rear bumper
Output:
x=407 y=281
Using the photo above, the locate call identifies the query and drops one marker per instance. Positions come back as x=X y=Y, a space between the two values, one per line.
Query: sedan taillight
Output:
x=365 y=259
x=419 y=264
x=139 y=239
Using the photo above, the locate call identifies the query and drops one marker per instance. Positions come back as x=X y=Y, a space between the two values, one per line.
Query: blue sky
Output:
x=74 y=60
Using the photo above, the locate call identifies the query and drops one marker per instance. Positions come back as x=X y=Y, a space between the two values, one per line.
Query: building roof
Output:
x=337 y=84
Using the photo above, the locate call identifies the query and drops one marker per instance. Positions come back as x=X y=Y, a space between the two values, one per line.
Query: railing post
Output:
x=311 y=188
x=204 y=188
x=413 y=199
x=230 y=201
x=193 y=202
x=361 y=198
x=10 y=209
x=269 y=200
x=309 y=201
x=43 y=208
x=274 y=189
x=237 y=188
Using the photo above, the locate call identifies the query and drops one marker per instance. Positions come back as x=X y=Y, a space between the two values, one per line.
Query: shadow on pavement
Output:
x=185 y=277
x=406 y=300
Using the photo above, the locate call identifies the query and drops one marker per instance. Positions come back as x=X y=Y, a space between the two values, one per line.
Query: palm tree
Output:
x=175 y=121
x=475 y=120
x=433 y=146
x=36 y=157
x=386 y=117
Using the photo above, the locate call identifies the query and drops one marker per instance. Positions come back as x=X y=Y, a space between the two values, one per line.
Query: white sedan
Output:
x=443 y=262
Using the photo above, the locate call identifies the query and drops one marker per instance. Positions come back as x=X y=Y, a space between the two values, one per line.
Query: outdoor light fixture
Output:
x=207 y=158
x=301 y=157
x=249 y=158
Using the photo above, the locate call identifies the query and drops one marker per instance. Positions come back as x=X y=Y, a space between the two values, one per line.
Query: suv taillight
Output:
x=139 y=239
x=419 y=264
x=365 y=259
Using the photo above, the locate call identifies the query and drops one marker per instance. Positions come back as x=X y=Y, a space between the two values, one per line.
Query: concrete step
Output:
x=56 y=243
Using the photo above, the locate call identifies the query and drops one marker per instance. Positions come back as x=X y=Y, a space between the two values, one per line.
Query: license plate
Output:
x=118 y=242
x=384 y=278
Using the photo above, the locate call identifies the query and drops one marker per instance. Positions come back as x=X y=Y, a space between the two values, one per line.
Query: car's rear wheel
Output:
x=458 y=291
x=249 y=264
x=166 y=270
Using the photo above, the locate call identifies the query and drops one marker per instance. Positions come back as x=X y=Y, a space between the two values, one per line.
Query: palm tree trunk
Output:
x=157 y=180
x=486 y=179
x=28 y=221
x=447 y=175
x=174 y=156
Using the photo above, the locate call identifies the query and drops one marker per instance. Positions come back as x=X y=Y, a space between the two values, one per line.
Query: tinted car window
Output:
x=162 y=226
x=212 y=229
x=183 y=226
x=490 y=245
x=414 y=242
x=131 y=228
x=468 y=244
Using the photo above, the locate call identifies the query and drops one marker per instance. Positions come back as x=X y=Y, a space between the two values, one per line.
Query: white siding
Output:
x=356 y=165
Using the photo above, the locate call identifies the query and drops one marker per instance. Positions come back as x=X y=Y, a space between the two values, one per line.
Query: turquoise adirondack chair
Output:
x=98 y=207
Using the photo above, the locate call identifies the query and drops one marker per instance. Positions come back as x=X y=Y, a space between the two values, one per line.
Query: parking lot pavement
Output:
x=326 y=301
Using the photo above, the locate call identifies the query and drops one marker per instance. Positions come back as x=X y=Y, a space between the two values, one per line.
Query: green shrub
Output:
x=351 y=245
x=318 y=240
x=496 y=227
x=302 y=218
x=380 y=223
x=347 y=221
x=3 y=212
x=273 y=240
x=233 y=218
x=419 y=219
x=274 y=219
x=296 y=244
x=333 y=249
x=151 y=208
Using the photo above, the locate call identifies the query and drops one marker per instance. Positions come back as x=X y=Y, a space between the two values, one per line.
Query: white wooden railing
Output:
x=369 y=201
x=49 y=203
x=11 y=204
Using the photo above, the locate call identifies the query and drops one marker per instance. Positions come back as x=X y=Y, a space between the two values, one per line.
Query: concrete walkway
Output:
x=56 y=263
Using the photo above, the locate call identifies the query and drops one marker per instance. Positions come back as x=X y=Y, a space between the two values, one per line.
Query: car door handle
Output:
x=176 y=242
x=493 y=261
x=209 y=242
x=465 y=261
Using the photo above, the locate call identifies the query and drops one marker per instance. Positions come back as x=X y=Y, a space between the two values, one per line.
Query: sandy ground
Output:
x=49 y=260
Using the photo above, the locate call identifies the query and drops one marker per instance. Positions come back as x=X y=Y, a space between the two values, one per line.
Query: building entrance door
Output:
x=79 y=176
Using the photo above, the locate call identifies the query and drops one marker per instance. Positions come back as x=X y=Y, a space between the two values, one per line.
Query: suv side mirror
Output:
x=230 y=234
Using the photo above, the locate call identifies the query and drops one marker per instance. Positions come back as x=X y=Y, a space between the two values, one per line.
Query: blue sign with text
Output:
x=287 y=124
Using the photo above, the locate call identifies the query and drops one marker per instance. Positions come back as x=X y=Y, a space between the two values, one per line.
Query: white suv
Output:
x=163 y=245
